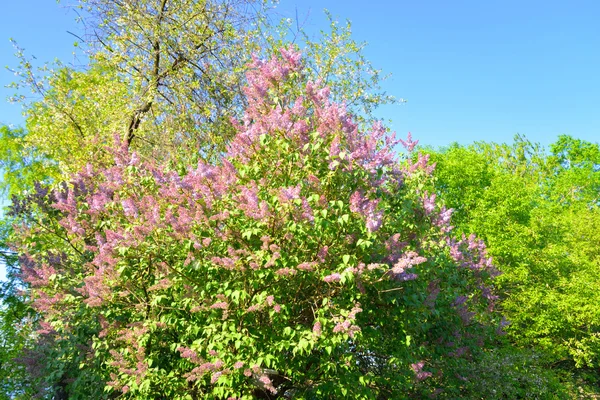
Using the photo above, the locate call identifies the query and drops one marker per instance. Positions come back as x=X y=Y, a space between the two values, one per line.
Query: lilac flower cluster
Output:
x=406 y=261
x=346 y=325
x=362 y=205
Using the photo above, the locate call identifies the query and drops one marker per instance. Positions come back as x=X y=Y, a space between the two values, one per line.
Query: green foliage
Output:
x=503 y=372
x=14 y=333
x=538 y=214
x=21 y=165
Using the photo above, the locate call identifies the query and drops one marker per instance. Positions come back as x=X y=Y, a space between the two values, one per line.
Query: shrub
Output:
x=308 y=263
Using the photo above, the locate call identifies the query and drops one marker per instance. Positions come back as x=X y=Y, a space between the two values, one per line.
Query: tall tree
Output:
x=538 y=212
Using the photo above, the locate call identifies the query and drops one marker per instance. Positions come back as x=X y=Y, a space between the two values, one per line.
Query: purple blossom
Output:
x=409 y=144
x=292 y=57
x=307 y=211
x=222 y=305
x=406 y=261
x=421 y=164
x=367 y=208
x=215 y=377
x=503 y=324
x=317 y=329
x=405 y=276
x=276 y=256
x=334 y=147
x=225 y=262
x=306 y=266
x=374 y=221
x=267 y=383
x=429 y=203
x=460 y=300
x=251 y=204
x=189 y=354
x=286 y=271
x=289 y=193
x=417 y=368
x=238 y=365
x=135 y=159
x=443 y=218
x=322 y=254
x=335 y=277
x=347 y=325
x=98 y=202
x=465 y=315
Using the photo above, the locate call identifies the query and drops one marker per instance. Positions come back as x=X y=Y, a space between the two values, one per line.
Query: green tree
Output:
x=538 y=213
x=21 y=165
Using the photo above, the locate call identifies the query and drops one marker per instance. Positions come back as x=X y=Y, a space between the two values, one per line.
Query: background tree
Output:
x=538 y=213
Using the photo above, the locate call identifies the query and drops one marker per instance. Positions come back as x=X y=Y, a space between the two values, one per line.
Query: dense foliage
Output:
x=539 y=214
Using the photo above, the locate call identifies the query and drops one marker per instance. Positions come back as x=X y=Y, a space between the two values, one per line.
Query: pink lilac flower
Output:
x=347 y=325
x=360 y=204
x=322 y=254
x=307 y=211
x=289 y=193
x=238 y=365
x=268 y=384
x=429 y=203
x=286 y=271
x=409 y=144
x=220 y=305
x=306 y=266
x=407 y=260
x=418 y=370
x=215 y=377
x=317 y=329
x=335 y=277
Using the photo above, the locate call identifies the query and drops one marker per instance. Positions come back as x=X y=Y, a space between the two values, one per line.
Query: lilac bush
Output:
x=309 y=262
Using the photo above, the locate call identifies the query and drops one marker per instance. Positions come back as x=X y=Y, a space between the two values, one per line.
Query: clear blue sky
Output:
x=470 y=69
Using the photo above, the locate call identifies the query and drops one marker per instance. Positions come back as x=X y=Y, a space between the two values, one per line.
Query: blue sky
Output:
x=470 y=69
x=483 y=70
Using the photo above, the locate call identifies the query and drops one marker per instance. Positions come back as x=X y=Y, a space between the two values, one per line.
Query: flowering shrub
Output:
x=308 y=263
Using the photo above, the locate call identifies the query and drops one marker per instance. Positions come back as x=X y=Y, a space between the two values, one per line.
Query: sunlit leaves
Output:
x=538 y=212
